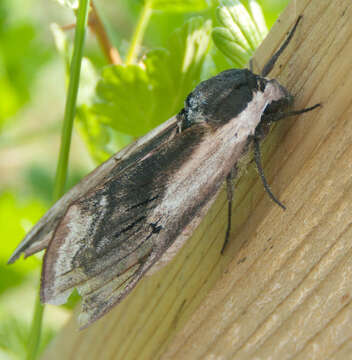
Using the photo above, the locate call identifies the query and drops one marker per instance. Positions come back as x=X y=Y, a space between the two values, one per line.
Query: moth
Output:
x=132 y=214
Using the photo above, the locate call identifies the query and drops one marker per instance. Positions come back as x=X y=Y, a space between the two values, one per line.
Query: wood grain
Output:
x=283 y=288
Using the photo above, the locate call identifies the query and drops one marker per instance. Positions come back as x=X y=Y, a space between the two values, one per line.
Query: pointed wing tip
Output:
x=27 y=249
x=15 y=256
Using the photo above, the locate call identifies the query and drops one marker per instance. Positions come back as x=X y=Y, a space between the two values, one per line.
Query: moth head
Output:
x=282 y=100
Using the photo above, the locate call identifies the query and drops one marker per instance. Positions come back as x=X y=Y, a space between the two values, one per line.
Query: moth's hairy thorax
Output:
x=223 y=97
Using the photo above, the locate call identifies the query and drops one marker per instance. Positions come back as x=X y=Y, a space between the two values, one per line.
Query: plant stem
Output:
x=139 y=32
x=96 y=25
x=70 y=108
x=36 y=329
x=61 y=171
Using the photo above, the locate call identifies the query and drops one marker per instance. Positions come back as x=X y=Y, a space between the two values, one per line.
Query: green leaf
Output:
x=101 y=140
x=179 y=5
x=126 y=99
x=258 y=17
x=242 y=30
x=135 y=98
x=188 y=48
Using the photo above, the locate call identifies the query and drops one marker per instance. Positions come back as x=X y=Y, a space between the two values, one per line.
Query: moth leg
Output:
x=259 y=134
x=258 y=162
x=229 y=191
x=270 y=64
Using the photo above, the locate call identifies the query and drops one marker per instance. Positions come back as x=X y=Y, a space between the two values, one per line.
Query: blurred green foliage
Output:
x=17 y=216
x=186 y=41
x=177 y=5
x=13 y=338
x=19 y=63
x=159 y=87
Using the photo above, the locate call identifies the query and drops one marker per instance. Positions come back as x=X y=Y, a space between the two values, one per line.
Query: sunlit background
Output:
x=32 y=97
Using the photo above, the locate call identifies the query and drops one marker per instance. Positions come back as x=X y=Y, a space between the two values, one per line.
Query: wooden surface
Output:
x=283 y=288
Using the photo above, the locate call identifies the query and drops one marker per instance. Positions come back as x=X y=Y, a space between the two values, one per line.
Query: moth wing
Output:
x=102 y=279
x=102 y=246
x=41 y=234
x=111 y=236
x=103 y=268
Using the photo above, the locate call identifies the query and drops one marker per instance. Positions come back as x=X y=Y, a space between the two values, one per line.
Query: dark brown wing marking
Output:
x=111 y=230
x=42 y=233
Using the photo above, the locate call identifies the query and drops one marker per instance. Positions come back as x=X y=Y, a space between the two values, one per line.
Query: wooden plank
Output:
x=283 y=288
